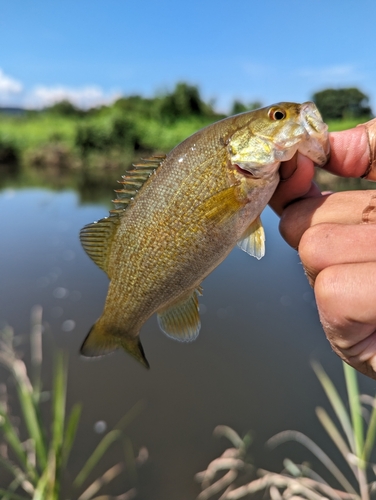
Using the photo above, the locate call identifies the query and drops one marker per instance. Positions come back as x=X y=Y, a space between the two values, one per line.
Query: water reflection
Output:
x=249 y=368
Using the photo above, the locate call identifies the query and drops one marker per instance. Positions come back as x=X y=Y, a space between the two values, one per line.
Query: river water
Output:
x=249 y=368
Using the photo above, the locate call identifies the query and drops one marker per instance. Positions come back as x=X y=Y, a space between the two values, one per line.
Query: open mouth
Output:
x=244 y=172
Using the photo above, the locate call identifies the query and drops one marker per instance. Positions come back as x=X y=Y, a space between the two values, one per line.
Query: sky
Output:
x=93 y=51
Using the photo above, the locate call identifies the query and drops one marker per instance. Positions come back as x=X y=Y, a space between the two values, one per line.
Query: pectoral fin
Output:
x=102 y=339
x=181 y=320
x=221 y=206
x=253 y=240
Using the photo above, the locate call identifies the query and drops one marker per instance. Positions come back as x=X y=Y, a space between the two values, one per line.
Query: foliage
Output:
x=240 y=107
x=9 y=153
x=184 y=101
x=354 y=436
x=66 y=146
x=37 y=463
x=340 y=104
x=117 y=132
x=64 y=108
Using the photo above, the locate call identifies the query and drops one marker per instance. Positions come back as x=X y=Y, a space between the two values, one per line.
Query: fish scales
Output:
x=203 y=198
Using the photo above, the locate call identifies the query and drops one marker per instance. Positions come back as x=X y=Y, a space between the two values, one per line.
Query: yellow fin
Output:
x=101 y=340
x=221 y=206
x=96 y=239
x=181 y=319
x=253 y=240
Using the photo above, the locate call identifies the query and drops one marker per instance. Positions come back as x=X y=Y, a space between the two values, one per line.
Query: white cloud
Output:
x=13 y=93
x=8 y=85
x=84 y=97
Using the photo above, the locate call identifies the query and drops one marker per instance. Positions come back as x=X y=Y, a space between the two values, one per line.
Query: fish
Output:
x=178 y=216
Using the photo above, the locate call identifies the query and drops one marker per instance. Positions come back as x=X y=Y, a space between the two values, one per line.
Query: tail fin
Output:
x=101 y=340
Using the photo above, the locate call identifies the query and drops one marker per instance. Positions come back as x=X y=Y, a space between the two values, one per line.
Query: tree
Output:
x=338 y=104
x=239 y=107
x=65 y=108
x=183 y=102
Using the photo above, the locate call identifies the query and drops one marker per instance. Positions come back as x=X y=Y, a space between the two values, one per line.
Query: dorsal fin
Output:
x=96 y=238
x=133 y=181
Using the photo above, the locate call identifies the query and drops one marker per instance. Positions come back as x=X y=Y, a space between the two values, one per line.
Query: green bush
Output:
x=9 y=152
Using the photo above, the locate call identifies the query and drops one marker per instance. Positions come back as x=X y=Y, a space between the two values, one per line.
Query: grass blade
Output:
x=12 y=496
x=131 y=414
x=130 y=460
x=102 y=447
x=36 y=349
x=336 y=402
x=355 y=409
x=58 y=405
x=107 y=440
x=25 y=395
x=371 y=434
x=317 y=451
x=19 y=474
x=106 y=478
x=11 y=436
x=336 y=437
x=45 y=488
x=70 y=433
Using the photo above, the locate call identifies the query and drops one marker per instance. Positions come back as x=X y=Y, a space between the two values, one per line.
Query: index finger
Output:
x=350 y=152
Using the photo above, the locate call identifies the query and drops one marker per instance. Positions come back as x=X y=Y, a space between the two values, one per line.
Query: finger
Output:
x=346 y=298
x=296 y=182
x=325 y=245
x=349 y=152
x=341 y=208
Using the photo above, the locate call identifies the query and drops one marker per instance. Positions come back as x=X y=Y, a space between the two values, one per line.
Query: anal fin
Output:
x=253 y=240
x=181 y=319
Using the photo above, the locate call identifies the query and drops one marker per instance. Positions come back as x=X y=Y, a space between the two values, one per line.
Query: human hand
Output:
x=335 y=235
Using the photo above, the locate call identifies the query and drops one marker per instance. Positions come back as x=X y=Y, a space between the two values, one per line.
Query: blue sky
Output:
x=269 y=50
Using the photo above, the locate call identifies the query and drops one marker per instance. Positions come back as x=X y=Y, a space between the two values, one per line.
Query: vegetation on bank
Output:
x=35 y=457
x=66 y=146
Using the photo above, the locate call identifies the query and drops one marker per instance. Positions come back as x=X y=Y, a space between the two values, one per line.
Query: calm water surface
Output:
x=249 y=368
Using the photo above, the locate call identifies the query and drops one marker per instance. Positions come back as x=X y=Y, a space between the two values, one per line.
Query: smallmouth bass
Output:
x=178 y=216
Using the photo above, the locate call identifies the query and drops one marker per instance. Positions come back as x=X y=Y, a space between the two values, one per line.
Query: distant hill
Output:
x=12 y=111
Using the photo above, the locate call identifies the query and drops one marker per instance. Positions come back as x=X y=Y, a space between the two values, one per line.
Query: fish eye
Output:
x=276 y=114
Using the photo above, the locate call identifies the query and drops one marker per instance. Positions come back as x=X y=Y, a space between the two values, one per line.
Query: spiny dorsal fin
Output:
x=133 y=181
x=96 y=239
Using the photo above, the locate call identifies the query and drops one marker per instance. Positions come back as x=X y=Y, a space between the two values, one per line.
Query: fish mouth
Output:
x=317 y=147
x=253 y=170
x=243 y=171
x=311 y=118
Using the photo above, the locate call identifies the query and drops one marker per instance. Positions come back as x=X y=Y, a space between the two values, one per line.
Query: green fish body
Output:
x=177 y=217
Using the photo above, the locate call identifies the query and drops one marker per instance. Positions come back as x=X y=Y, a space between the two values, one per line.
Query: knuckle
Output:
x=313 y=246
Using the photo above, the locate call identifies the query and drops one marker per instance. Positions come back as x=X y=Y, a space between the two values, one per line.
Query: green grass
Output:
x=30 y=132
x=38 y=454
x=51 y=153
x=337 y=126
